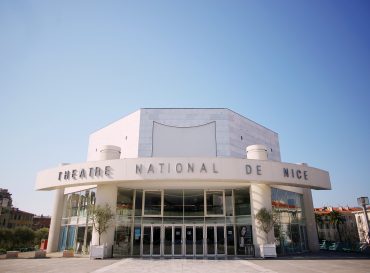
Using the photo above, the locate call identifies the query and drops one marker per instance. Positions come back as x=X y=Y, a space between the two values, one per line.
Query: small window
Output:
x=242 y=202
x=215 y=202
x=153 y=203
x=138 y=202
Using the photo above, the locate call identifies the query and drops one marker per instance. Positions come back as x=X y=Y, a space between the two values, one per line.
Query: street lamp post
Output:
x=364 y=201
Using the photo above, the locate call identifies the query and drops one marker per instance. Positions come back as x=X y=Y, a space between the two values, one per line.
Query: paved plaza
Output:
x=321 y=263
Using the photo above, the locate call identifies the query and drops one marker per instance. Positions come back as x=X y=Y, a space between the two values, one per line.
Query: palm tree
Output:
x=336 y=219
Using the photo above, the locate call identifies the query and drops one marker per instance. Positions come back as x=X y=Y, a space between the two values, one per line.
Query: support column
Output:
x=260 y=198
x=260 y=195
x=56 y=220
x=312 y=236
x=106 y=194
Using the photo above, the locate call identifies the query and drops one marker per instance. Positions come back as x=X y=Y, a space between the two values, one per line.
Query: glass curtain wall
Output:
x=242 y=208
x=290 y=226
x=124 y=220
x=144 y=215
x=74 y=233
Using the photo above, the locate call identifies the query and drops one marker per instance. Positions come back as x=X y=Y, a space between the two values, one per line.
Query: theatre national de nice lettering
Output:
x=184 y=182
x=165 y=168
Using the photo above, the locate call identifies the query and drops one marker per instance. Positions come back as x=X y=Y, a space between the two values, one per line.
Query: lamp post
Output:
x=364 y=201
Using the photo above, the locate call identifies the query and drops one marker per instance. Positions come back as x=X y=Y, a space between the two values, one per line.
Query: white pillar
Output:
x=312 y=236
x=106 y=194
x=260 y=198
x=260 y=195
x=56 y=220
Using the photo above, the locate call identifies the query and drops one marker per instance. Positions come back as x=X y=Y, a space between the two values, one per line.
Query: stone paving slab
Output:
x=299 y=264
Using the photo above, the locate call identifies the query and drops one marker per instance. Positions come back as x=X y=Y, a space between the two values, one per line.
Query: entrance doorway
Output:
x=181 y=240
x=215 y=238
x=194 y=240
x=151 y=244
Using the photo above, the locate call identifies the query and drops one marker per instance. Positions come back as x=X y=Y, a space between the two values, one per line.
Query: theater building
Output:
x=184 y=182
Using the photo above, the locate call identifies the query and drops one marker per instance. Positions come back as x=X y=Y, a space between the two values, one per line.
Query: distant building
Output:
x=5 y=207
x=19 y=218
x=11 y=217
x=337 y=224
x=40 y=222
x=361 y=223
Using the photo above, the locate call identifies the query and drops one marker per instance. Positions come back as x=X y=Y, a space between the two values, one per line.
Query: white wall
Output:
x=123 y=133
x=134 y=133
x=230 y=127
x=244 y=132
x=198 y=141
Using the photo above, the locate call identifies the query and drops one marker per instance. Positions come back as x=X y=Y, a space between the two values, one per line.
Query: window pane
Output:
x=173 y=203
x=138 y=202
x=229 y=202
x=215 y=204
x=242 y=202
x=288 y=207
x=74 y=198
x=83 y=202
x=122 y=245
x=152 y=203
x=193 y=202
x=136 y=241
x=124 y=202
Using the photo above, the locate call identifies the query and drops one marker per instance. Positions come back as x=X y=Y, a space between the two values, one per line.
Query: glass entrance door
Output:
x=168 y=241
x=199 y=240
x=151 y=245
x=216 y=244
x=147 y=237
x=177 y=241
x=230 y=240
x=156 y=242
x=220 y=240
x=189 y=240
x=211 y=241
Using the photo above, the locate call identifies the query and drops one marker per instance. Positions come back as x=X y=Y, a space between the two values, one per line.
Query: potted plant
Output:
x=39 y=253
x=266 y=220
x=101 y=217
x=69 y=252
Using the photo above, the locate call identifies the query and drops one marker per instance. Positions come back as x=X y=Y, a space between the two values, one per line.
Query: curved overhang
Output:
x=196 y=170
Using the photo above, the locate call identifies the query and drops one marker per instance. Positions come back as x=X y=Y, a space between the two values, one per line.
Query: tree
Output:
x=319 y=221
x=23 y=236
x=6 y=238
x=40 y=234
x=265 y=220
x=336 y=219
x=101 y=217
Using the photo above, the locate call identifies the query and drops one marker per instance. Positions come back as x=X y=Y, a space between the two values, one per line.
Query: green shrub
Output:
x=41 y=234
x=23 y=237
x=6 y=238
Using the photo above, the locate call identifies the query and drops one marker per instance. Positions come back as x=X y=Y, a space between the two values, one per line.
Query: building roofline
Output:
x=190 y=108
x=21 y=211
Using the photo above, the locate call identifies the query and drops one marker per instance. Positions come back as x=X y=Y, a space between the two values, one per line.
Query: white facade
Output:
x=155 y=153
x=233 y=132
x=362 y=226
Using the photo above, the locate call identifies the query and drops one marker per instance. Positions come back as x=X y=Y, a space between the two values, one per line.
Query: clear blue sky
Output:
x=300 y=68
